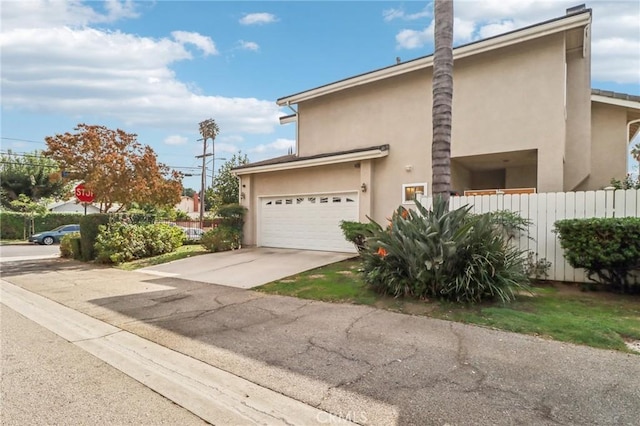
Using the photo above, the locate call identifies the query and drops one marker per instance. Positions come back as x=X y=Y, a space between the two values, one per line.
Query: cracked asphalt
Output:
x=370 y=366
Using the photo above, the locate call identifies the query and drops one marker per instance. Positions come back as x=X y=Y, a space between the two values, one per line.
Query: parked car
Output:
x=193 y=234
x=49 y=237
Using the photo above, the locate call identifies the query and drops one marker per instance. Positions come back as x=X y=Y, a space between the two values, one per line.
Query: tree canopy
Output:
x=115 y=166
x=225 y=185
x=32 y=175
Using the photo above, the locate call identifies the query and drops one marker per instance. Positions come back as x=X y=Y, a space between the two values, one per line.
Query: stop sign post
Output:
x=84 y=196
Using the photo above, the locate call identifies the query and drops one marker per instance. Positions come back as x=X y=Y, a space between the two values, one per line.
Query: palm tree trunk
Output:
x=442 y=98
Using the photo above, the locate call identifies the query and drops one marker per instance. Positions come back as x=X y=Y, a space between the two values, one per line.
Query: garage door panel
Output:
x=307 y=222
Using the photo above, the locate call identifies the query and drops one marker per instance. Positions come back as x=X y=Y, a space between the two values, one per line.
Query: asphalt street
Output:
x=372 y=366
x=47 y=380
x=20 y=252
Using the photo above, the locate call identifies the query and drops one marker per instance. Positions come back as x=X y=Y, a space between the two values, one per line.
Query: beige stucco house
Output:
x=524 y=116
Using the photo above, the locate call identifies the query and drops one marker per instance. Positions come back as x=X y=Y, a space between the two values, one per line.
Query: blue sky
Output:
x=158 y=68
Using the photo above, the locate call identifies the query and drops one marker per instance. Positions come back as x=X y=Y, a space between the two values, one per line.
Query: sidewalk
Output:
x=366 y=365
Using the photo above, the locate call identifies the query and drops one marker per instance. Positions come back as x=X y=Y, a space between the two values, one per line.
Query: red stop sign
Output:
x=84 y=195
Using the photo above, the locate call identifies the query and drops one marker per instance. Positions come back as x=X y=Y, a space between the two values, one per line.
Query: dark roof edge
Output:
x=615 y=95
x=293 y=158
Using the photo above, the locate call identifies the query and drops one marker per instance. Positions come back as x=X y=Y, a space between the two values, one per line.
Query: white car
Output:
x=193 y=234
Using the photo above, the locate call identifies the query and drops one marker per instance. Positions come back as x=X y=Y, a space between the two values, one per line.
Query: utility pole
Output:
x=208 y=129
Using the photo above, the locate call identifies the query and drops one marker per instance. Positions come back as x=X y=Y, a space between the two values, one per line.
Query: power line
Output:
x=21 y=140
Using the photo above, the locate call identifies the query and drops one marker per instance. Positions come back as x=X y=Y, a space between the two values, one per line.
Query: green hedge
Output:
x=13 y=225
x=89 y=229
x=607 y=248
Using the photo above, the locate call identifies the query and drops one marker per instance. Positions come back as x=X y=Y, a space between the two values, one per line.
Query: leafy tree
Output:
x=442 y=98
x=188 y=192
x=115 y=166
x=225 y=184
x=32 y=175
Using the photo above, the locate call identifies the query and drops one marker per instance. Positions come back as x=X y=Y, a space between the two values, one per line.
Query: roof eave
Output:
x=536 y=31
x=313 y=162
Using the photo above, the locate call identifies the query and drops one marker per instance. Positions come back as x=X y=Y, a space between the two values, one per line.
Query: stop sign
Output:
x=84 y=195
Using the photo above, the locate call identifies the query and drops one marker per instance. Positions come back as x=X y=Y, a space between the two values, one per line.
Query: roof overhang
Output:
x=314 y=161
x=626 y=103
x=291 y=118
x=493 y=43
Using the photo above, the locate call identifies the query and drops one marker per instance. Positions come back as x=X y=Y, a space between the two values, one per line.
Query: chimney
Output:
x=576 y=9
x=196 y=202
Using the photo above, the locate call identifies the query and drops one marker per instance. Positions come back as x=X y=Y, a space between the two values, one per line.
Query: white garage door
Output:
x=309 y=222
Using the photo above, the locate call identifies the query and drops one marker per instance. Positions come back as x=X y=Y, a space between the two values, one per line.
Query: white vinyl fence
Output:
x=544 y=209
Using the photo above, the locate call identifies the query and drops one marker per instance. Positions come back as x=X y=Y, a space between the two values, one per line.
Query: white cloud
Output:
x=73 y=13
x=249 y=45
x=201 y=42
x=391 y=14
x=495 y=28
x=280 y=144
x=226 y=148
x=412 y=39
x=176 y=140
x=56 y=68
x=232 y=139
x=258 y=18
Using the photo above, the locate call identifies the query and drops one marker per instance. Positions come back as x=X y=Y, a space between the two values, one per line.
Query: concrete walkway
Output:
x=365 y=365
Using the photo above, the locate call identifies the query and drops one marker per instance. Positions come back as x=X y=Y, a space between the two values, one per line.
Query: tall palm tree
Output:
x=442 y=98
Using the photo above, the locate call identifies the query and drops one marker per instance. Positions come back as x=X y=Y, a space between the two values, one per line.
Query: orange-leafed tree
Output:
x=115 y=166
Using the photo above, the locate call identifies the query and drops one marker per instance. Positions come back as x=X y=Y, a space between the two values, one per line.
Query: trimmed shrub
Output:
x=89 y=229
x=14 y=225
x=451 y=255
x=122 y=242
x=221 y=238
x=67 y=245
x=357 y=232
x=607 y=248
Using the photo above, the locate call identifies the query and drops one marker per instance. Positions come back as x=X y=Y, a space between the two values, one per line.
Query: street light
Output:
x=209 y=130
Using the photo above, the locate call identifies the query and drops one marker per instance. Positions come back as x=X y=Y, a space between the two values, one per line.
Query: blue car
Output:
x=49 y=237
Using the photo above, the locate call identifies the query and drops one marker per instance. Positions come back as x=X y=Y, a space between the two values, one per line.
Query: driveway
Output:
x=246 y=268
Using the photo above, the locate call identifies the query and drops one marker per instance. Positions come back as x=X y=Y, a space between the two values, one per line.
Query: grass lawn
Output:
x=555 y=310
x=181 y=252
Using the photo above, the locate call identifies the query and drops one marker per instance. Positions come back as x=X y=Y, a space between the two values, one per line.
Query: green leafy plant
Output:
x=221 y=238
x=451 y=255
x=537 y=268
x=67 y=245
x=89 y=230
x=122 y=242
x=607 y=248
x=629 y=182
x=357 y=232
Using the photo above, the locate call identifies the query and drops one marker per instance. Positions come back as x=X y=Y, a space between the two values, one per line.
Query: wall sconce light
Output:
x=363 y=187
x=242 y=195
x=408 y=167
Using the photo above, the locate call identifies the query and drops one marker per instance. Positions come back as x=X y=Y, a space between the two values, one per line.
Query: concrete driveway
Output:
x=246 y=268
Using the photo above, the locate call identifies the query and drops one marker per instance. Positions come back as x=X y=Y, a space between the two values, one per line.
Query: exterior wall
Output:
x=577 y=152
x=186 y=205
x=513 y=97
x=609 y=146
x=489 y=179
x=521 y=177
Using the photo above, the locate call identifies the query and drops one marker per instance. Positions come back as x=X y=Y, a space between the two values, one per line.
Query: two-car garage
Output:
x=310 y=221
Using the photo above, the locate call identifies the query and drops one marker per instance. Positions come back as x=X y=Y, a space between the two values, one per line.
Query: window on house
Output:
x=411 y=190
